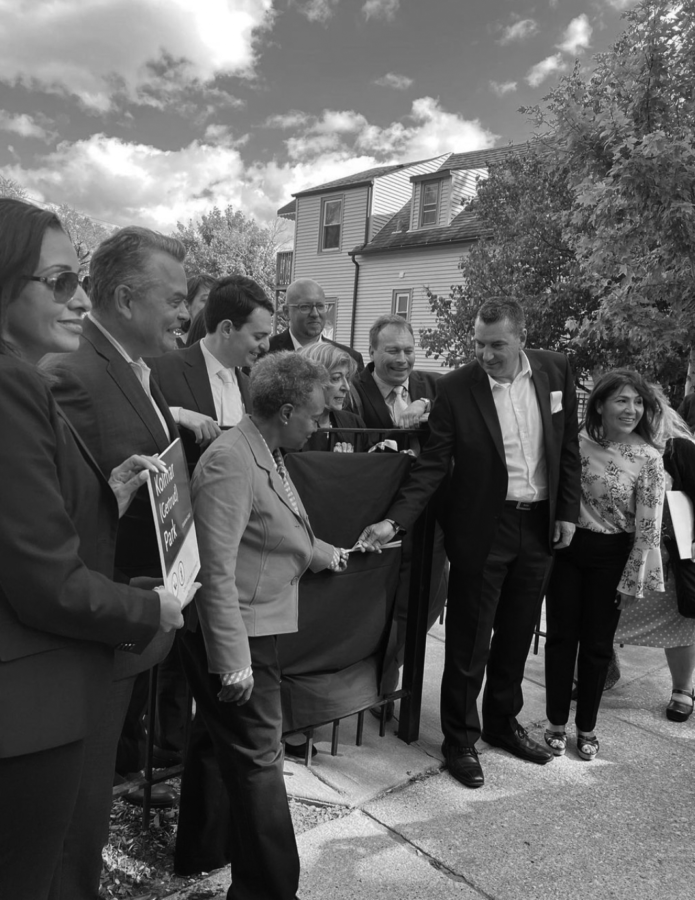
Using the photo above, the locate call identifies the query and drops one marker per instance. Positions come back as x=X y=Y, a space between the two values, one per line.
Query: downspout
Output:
x=352 y=255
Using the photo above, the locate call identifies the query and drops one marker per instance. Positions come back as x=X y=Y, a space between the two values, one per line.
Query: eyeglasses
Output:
x=64 y=286
x=306 y=308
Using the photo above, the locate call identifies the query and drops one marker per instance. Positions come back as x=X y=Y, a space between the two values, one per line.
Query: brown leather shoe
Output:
x=462 y=763
x=518 y=743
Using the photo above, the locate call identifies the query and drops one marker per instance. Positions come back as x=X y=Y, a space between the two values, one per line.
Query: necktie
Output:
x=230 y=399
x=399 y=404
x=282 y=472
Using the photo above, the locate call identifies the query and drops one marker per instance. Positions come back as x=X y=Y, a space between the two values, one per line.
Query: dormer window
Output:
x=331 y=224
x=429 y=203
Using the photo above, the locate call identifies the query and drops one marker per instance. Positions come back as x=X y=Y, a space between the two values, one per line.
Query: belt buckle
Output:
x=524 y=505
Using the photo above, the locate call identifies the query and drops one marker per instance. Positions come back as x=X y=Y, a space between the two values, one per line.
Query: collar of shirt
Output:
x=298 y=346
x=524 y=373
x=214 y=366
x=109 y=337
x=387 y=388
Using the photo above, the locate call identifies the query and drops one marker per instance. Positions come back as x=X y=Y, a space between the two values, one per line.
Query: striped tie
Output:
x=282 y=472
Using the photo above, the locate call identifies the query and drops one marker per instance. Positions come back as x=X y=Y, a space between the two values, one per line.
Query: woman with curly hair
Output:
x=614 y=555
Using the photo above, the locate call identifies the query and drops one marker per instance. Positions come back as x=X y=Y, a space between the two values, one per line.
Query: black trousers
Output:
x=38 y=792
x=247 y=742
x=491 y=614
x=582 y=615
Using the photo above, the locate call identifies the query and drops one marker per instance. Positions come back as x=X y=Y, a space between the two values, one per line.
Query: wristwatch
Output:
x=394 y=525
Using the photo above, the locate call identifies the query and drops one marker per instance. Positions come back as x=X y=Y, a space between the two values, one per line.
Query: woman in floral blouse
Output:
x=614 y=555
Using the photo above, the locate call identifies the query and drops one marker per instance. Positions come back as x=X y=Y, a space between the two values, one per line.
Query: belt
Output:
x=523 y=505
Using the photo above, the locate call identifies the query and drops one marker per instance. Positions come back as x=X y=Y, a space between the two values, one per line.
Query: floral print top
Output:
x=623 y=490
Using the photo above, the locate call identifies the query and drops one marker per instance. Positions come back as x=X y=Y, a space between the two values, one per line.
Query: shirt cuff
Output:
x=235 y=677
x=175 y=413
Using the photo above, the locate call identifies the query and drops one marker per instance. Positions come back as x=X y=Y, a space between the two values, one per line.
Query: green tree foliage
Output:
x=12 y=189
x=628 y=132
x=229 y=242
x=85 y=233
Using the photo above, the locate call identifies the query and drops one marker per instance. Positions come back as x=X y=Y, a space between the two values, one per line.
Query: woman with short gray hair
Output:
x=255 y=544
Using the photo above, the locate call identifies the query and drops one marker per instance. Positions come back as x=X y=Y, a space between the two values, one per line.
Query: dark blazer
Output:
x=104 y=400
x=283 y=341
x=183 y=379
x=60 y=612
x=370 y=404
x=464 y=427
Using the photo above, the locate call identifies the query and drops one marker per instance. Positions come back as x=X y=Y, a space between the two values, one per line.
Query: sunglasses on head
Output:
x=64 y=285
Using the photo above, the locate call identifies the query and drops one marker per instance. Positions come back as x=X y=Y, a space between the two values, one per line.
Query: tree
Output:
x=628 y=136
x=229 y=242
x=521 y=253
x=85 y=233
x=12 y=189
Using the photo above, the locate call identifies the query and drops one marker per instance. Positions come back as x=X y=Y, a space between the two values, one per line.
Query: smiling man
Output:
x=307 y=310
x=508 y=421
x=138 y=289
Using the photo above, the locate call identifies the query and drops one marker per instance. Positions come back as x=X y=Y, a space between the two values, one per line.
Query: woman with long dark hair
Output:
x=60 y=613
x=614 y=555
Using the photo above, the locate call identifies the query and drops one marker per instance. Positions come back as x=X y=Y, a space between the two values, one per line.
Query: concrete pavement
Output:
x=620 y=827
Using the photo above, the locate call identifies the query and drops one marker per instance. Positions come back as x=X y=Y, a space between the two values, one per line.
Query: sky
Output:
x=152 y=112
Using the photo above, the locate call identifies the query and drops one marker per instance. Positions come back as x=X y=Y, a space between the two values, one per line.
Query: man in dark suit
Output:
x=206 y=379
x=390 y=391
x=306 y=307
x=509 y=423
x=138 y=294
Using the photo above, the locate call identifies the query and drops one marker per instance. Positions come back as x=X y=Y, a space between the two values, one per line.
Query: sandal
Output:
x=587 y=747
x=677 y=711
x=556 y=740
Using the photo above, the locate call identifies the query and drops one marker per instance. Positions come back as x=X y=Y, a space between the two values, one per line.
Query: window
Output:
x=331 y=223
x=400 y=305
x=429 y=203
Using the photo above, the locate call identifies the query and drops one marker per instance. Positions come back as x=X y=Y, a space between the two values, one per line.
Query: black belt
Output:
x=523 y=505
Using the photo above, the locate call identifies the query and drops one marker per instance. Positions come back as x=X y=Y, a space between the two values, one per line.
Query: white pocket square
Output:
x=555 y=402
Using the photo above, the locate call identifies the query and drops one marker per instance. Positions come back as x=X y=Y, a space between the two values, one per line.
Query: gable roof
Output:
x=479 y=159
x=358 y=178
x=395 y=235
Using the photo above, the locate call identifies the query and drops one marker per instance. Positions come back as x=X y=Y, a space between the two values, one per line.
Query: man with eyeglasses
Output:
x=305 y=302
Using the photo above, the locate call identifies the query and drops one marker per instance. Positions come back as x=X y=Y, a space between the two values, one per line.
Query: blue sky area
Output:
x=153 y=111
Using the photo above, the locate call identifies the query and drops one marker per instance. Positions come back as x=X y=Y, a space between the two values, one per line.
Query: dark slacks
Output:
x=582 y=614
x=491 y=614
x=247 y=741
x=79 y=870
x=38 y=792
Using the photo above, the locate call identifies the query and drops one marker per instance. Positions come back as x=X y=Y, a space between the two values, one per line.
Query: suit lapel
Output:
x=482 y=394
x=378 y=411
x=541 y=384
x=198 y=380
x=89 y=459
x=243 y=382
x=265 y=461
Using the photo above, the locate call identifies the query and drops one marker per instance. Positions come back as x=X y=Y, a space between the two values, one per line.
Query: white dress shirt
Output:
x=225 y=389
x=139 y=367
x=397 y=401
x=522 y=433
x=298 y=346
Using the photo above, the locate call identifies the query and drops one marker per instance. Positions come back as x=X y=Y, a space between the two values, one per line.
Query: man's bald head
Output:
x=306 y=308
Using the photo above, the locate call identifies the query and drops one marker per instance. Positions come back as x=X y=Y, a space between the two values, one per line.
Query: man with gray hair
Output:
x=138 y=289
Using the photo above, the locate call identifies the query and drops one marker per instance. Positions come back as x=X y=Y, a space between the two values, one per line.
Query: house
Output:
x=378 y=239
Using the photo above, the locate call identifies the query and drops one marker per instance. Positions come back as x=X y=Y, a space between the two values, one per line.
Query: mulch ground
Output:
x=137 y=862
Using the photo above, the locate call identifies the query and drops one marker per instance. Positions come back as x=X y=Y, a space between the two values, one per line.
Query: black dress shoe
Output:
x=463 y=765
x=520 y=744
x=299 y=750
x=162 y=759
x=161 y=795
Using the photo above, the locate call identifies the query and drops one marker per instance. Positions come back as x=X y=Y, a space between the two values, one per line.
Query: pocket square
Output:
x=555 y=402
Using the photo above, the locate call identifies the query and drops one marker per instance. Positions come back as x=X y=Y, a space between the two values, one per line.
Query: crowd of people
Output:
x=531 y=503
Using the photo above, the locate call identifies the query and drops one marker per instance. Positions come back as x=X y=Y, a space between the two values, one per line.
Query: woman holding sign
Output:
x=668 y=620
x=255 y=543
x=60 y=613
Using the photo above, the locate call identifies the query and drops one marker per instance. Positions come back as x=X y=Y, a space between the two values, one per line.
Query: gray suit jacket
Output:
x=253 y=547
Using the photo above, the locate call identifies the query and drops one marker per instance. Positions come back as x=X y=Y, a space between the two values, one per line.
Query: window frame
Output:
x=395 y=294
x=437 y=182
x=322 y=226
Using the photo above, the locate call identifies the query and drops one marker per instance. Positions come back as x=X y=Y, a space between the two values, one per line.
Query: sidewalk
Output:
x=620 y=827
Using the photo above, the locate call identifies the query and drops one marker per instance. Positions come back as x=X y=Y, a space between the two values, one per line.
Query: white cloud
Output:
x=519 y=31
x=506 y=87
x=381 y=9
x=291 y=119
x=577 y=36
x=99 y=50
x=392 y=80
x=545 y=68
x=24 y=125
x=318 y=10
x=621 y=4
x=127 y=183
